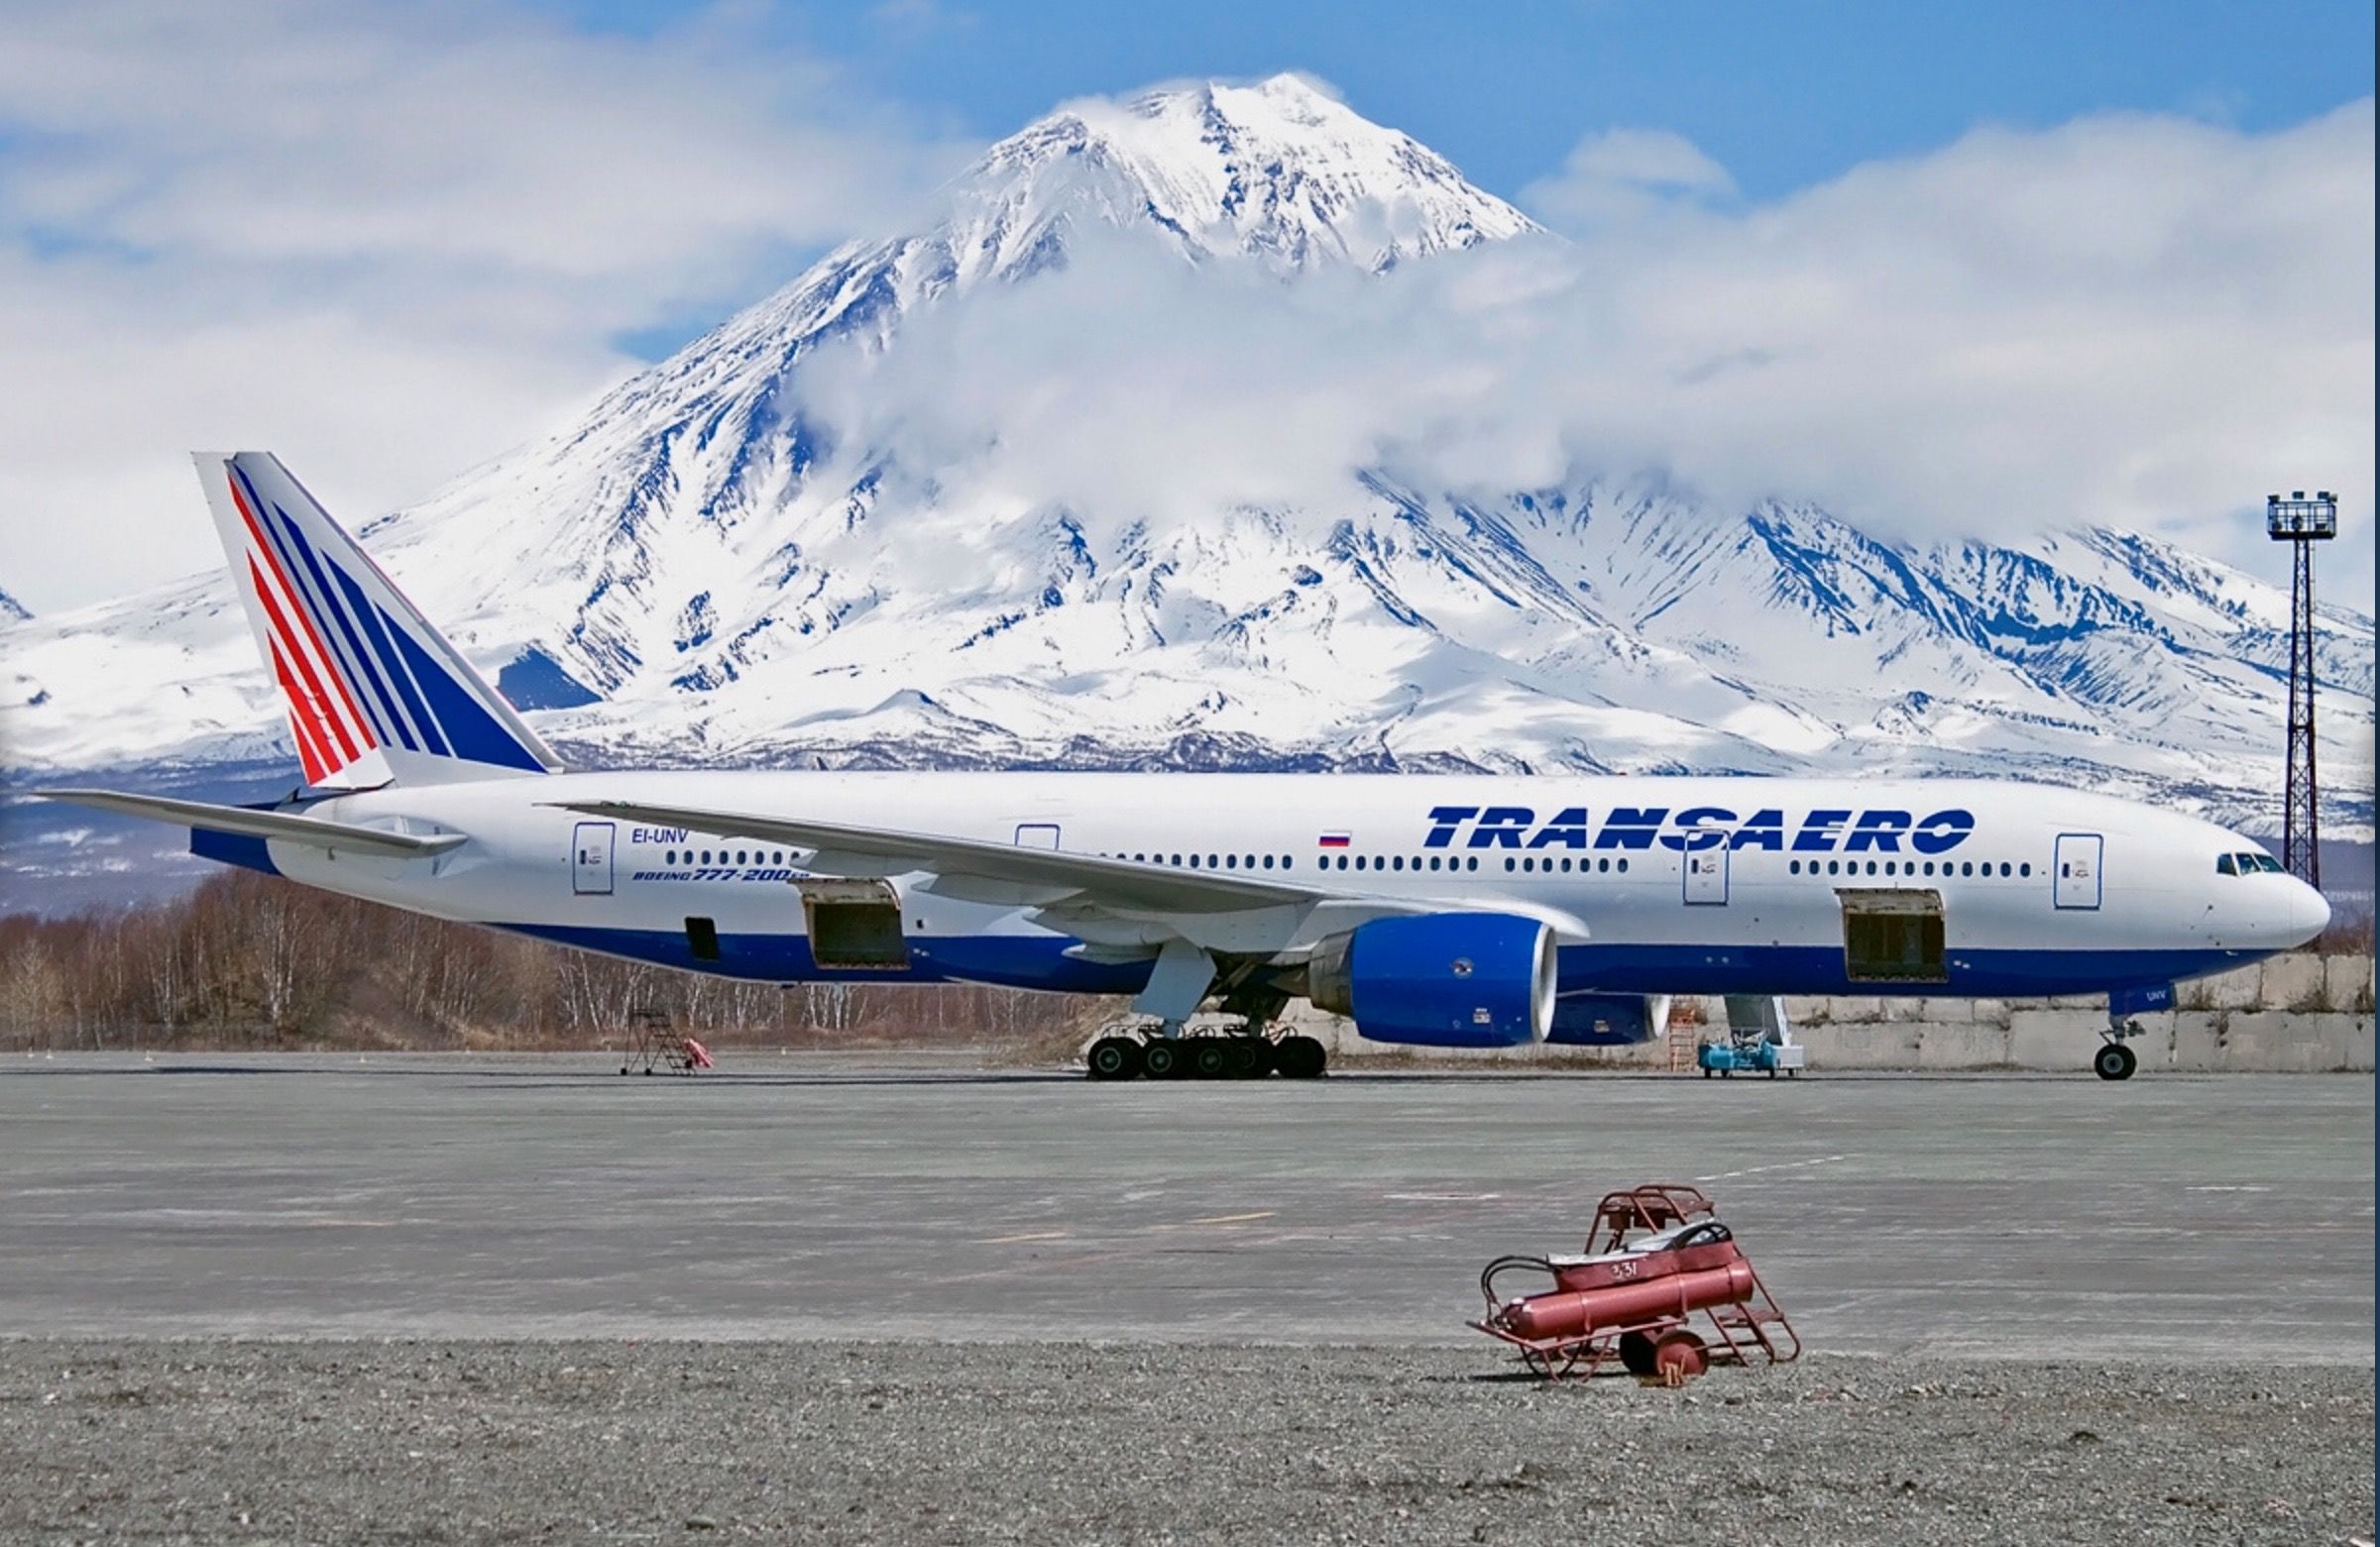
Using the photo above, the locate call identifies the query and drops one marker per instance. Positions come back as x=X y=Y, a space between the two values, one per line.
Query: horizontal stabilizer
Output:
x=283 y=825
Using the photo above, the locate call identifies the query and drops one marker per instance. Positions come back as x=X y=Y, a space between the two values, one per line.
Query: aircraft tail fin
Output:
x=372 y=689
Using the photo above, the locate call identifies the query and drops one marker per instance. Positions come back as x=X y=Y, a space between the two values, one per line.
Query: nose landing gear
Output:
x=2114 y=1060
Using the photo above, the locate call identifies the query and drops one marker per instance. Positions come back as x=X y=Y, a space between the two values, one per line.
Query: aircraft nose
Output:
x=2308 y=911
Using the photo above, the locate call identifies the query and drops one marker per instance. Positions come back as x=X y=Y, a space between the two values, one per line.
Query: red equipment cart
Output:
x=1656 y=1258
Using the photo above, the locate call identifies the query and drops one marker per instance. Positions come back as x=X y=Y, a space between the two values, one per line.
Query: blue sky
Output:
x=418 y=234
x=1781 y=95
x=1783 y=98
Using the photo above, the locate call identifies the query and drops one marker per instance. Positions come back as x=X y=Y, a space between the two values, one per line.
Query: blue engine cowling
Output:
x=1608 y=1020
x=1439 y=981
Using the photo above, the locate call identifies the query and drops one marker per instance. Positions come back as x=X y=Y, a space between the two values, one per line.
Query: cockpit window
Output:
x=2226 y=864
x=2268 y=862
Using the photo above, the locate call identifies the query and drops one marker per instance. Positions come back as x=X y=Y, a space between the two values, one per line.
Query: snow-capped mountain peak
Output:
x=1277 y=171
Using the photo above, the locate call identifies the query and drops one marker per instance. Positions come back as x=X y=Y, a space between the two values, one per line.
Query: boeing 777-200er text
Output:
x=1446 y=912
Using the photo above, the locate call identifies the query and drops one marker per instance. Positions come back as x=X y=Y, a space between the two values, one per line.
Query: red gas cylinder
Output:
x=1570 y=1313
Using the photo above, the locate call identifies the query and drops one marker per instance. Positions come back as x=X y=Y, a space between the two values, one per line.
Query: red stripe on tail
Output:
x=361 y=727
x=307 y=735
x=319 y=702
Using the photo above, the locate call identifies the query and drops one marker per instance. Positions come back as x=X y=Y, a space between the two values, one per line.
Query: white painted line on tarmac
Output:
x=1781 y=1166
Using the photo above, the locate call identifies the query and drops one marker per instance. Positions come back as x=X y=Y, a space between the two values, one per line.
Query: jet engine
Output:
x=1439 y=981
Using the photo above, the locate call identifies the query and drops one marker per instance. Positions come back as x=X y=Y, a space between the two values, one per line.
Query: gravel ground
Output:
x=1050 y=1443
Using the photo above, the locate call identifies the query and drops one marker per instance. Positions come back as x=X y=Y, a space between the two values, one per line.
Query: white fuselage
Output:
x=1652 y=885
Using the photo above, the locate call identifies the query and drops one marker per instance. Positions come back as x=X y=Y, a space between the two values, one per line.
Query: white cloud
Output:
x=912 y=20
x=2148 y=321
x=1618 y=174
x=389 y=241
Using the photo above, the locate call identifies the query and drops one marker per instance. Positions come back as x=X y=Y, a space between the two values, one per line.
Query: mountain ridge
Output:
x=701 y=569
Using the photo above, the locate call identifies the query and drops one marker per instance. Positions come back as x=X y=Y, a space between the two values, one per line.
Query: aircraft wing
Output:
x=341 y=836
x=1116 y=883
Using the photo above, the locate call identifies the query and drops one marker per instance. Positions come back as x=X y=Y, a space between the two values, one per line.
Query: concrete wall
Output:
x=2296 y=1014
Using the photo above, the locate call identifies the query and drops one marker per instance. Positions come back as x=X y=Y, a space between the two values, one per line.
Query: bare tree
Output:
x=33 y=991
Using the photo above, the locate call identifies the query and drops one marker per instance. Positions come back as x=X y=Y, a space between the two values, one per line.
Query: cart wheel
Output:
x=1636 y=1352
x=1682 y=1352
x=1706 y=1073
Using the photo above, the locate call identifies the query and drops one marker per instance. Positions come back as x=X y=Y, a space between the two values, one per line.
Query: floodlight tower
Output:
x=2303 y=522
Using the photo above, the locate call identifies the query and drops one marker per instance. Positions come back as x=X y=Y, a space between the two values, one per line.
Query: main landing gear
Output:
x=1130 y=1051
x=2114 y=1060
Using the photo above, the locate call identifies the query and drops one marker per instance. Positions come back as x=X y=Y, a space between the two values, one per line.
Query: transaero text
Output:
x=1847 y=831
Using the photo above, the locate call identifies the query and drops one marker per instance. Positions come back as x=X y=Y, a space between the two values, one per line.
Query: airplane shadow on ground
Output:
x=401 y=1065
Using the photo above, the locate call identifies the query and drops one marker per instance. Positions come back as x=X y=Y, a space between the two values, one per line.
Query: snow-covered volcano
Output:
x=703 y=569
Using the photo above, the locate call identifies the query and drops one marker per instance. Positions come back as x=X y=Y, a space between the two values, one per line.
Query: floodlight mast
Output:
x=2301 y=522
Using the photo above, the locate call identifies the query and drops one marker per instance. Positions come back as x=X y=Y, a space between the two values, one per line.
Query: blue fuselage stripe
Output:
x=1040 y=961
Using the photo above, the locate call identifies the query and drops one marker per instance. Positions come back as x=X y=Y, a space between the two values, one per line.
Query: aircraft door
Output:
x=1037 y=835
x=2077 y=869
x=591 y=858
x=1706 y=875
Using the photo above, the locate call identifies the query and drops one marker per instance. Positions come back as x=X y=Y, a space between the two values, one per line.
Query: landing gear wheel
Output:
x=1679 y=1355
x=1300 y=1057
x=1248 y=1058
x=1162 y=1060
x=1636 y=1352
x=1114 y=1058
x=2114 y=1060
x=1209 y=1058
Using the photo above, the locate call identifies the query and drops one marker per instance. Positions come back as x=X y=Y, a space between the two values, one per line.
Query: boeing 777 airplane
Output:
x=1443 y=911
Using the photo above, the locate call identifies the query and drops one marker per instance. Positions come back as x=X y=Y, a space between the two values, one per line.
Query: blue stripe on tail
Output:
x=471 y=731
x=380 y=631
x=391 y=726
